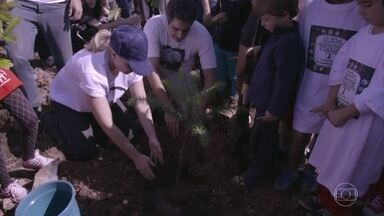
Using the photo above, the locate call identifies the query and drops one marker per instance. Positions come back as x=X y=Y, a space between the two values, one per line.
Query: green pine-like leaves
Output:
x=7 y=24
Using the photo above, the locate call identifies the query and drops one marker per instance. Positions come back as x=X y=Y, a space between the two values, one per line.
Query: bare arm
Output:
x=103 y=115
x=161 y=94
x=132 y=20
x=75 y=10
x=145 y=117
x=330 y=103
x=209 y=81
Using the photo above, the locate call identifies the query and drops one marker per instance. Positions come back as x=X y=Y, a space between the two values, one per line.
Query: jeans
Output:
x=126 y=7
x=226 y=68
x=53 y=21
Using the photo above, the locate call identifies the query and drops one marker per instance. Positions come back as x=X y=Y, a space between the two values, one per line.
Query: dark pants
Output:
x=264 y=143
x=126 y=7
x=78 y=134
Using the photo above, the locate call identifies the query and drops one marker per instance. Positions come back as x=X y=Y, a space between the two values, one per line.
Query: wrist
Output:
x=172 y=112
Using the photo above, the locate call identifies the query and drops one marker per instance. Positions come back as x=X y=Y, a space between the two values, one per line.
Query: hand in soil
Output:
x=156 y=153
x=172 y=124
x=143 y=164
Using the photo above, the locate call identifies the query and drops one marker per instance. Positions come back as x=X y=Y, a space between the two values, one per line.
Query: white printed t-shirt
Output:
x=353 y=153
x=88 y=74
x=324 y=29
x=179 y=55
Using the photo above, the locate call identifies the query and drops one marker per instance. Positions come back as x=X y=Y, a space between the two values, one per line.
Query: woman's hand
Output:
x=156 y=153
x=143 y=164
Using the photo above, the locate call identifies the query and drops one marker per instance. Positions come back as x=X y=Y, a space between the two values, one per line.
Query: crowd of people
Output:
x=312 y=69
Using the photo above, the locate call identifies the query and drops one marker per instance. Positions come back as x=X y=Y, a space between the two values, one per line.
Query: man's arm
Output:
x=170 y=114
x=209 y=81
x=75 y=9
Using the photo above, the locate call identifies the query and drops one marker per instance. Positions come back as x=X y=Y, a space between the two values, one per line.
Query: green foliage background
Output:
x=7 y=24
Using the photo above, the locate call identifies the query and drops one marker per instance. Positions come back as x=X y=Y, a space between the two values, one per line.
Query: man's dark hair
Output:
x=184 y=10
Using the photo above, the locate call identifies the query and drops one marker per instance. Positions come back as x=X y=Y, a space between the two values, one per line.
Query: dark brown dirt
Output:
x=110 y=185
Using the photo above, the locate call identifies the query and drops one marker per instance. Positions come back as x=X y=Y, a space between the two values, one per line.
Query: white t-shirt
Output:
x=48 y=1
x=179 y=55
x=353 y=153
x=324 y=29
x=88 y=74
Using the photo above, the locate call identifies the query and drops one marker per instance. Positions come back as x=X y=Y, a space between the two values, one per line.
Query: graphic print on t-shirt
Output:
x=324 y=43
x=356 y=79
x=171 y=58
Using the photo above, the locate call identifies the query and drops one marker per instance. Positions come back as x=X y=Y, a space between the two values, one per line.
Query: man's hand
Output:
x=156 y=153
x=172 y=123
x=268 y=117
x=75 y=9
x=143 y=165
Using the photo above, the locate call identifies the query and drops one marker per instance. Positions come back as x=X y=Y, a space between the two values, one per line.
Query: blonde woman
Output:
x=85 y=97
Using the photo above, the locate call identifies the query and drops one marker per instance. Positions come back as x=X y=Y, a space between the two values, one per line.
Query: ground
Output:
x=110 y=185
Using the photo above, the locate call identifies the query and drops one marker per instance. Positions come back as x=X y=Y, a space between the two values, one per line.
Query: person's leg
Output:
x=231 y=70
x=5 y=179
x=296 y=149
x=21 y=50
x=221 y=70
x=264 y=139
x=72 y=131
x=18 y=106
x=125 y=7
x=10 y=188
x=54 y=22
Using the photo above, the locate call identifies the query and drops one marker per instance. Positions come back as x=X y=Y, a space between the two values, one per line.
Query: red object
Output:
x=8 y=83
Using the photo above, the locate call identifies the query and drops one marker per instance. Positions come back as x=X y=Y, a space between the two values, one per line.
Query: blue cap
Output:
x=131 y=43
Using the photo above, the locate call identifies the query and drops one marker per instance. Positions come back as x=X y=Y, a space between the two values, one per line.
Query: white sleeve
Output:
x=134 y=78
x=207 y=53
x=92 y=86
x=152 y=30
x=339 y=65
x=372 y=98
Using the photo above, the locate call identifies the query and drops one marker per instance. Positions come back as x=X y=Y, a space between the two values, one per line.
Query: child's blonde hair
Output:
x=99 y=42
x=276 y=7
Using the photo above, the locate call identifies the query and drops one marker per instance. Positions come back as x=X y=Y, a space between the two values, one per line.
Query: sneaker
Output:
x=14 y=191
x=310 y=203
x=286 y=180
x=38 y=162
x=309 y=183
x=374 y=207
x=319 y=212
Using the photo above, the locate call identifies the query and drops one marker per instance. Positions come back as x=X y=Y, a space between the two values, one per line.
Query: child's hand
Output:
x=339 y=117
x=220 y=18
x=323 y=109
x=268 y=117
